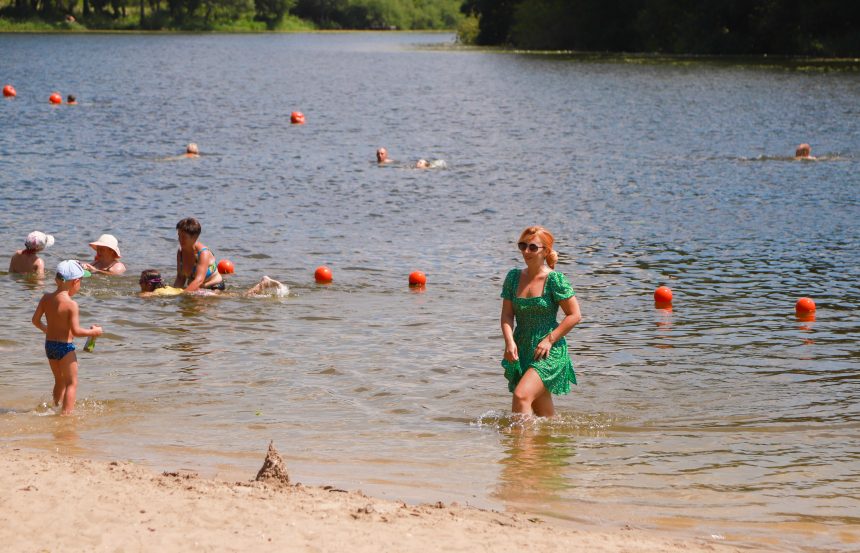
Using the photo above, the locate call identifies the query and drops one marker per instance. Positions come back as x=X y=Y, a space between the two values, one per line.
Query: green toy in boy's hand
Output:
x=90 y=345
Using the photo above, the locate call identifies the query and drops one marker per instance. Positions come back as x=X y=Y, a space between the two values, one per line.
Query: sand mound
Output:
x=273 y=470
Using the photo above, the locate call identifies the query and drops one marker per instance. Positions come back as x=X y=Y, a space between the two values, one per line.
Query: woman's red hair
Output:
x=547 y=239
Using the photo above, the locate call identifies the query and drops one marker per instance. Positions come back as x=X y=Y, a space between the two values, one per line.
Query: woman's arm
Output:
x=572 y=316
x=507 y=320
x=179 y=281
x=205 y=259
x=95 y=270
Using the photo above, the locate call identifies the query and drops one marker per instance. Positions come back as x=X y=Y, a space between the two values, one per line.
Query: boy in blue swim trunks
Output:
x=61 y=313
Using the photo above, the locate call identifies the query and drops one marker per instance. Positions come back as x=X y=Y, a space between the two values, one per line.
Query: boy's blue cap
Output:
x=71 y=270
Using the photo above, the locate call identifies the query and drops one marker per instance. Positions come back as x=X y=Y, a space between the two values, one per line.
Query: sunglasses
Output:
x=530 y=247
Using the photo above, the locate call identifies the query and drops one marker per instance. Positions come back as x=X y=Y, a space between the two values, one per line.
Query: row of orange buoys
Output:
x=804 y=308
x=296 y=117
x=55 y=97
x=323 y=275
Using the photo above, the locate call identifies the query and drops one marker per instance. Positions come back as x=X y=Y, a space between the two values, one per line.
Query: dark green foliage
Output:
x=497 y=17
x=814 y=27
x=272 y=12
x=214 y=14
x=380 y=14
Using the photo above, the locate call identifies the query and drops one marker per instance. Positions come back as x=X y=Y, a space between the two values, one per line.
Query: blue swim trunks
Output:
x=58 y=350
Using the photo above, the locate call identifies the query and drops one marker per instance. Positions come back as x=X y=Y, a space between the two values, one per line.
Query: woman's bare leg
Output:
x=529 y=389
x=543 y=406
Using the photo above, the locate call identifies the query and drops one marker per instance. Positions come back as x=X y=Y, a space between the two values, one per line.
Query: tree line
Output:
x=214 y=14
x=734 y=27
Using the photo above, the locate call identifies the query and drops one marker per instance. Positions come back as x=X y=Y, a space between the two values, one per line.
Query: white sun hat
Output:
x=108 y=241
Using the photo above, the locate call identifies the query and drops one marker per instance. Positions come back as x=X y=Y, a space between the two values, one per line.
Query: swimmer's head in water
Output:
x=70 y=99
x=150 y=280
x=422 y=164
x=381 y=155
x=192 y=149
x=804 y=150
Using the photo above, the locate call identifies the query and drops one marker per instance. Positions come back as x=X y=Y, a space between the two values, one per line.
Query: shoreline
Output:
x=796 y=62
x=239 y=31
x=54 y=501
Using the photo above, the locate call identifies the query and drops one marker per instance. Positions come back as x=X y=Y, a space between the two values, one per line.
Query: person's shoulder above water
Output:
x=27 y=260
x=803 y=152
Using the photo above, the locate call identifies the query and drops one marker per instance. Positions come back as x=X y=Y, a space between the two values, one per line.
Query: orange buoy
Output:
x=9 y=91
x=297 y=118
x=225 y=267
x=805 y=318
x=663 y=294
x=804 y=305
x=323 y=274
x=55 y=98
x=417 y=278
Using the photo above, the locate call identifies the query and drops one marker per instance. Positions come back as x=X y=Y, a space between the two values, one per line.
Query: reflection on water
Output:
x=535 y=466
x=724 y=415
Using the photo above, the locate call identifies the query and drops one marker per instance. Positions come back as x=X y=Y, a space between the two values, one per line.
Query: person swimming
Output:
x=803 y=151
x=152 y=284
x=435 y=164
x=191 y=150
x=382 y=156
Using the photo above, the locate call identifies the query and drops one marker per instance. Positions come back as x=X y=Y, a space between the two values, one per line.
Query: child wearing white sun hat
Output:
x=27 y=260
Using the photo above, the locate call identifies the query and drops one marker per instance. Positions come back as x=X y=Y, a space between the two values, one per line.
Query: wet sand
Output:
x=53 y=503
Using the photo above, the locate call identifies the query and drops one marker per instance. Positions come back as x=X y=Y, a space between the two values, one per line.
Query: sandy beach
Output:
x=57 y=503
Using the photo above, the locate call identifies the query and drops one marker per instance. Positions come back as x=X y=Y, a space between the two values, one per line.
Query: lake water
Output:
x=725 y=418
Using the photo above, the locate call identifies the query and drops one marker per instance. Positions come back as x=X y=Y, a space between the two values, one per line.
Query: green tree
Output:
x=272 y=12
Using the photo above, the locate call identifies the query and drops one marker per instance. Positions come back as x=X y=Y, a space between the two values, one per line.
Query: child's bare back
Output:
x=59 y=310
x=27 y=261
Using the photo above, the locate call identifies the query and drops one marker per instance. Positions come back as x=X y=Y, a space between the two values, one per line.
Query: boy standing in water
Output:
x=61 y=313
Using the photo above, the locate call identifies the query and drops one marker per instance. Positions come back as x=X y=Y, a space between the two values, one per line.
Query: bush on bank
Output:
x=229 y=15
x=735 y=27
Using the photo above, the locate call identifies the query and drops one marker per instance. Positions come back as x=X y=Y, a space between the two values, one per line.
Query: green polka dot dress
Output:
x=535 y=319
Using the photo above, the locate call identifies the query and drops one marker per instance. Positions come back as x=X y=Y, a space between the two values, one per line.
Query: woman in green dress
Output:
x=536 y=361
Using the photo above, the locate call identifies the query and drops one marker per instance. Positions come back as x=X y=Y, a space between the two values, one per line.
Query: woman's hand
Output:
x=511 y=353
x=542 y=349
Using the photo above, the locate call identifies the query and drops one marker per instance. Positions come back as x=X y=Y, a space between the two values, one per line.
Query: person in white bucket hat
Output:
x=107 y=256
x=27 y=260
